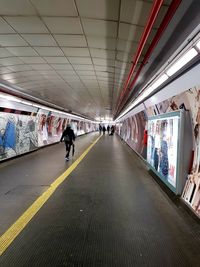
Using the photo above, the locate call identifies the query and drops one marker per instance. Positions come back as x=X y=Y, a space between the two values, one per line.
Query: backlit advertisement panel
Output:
x=162 y=148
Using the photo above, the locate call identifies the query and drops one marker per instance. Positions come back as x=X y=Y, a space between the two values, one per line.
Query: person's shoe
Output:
x=67 y=158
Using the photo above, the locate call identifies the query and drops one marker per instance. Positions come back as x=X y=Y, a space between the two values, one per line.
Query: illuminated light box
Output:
x=167 y=147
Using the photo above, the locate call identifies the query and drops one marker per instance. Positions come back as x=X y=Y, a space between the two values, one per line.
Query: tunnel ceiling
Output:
x=75 y=54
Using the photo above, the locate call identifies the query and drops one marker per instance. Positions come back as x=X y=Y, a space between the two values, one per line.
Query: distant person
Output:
x=100 y=128
x=68 y=136
x=108 y=129
x=104 y=129
x=112 y=130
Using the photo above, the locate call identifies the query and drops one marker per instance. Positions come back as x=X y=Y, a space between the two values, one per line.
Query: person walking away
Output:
x=108 y=129
x=100 y=128
x=104 y=129
x=112 y=129
x=68 y=136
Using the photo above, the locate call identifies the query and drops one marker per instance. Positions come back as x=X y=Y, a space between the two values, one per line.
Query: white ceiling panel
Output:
x=57 y=60
x=27 y=24
x=39 y=39
x=47 y=72
x=14 y=75
x=41 y=67
x=20 y=67
x=12 y=40
x=104 y=68
x=55 y=79
x=122 y=65
x=80 y=60
x=26 y=85
x=4 y=27
x=10 y=82
x=49 y=51
x=22 y=51
x=104 y=74
x=86 y=72
x=9 y=76
x=104 y=9
x=55 y=8
x=103 y=62
x=32 y=60
x=16 y=7
x=5 y=53
x=30 y=73
x=62 y=66
x=10 y=61
x=77 y=43
x=66 y=72
x=76 y=52
x=105 y=83
x=63 y=25
x=130 y=32
x=51 y=77
x=126 y=46
x=5 y=70
x=125 y=57
x=100 y=42
x=77 y=84
x=71 y=78
x=18 y=80
x=83 y=67
x=135 y=11
x=105 y=28
x=88 y=78
x=103 y=78
x=102 y=53
x=71 y=40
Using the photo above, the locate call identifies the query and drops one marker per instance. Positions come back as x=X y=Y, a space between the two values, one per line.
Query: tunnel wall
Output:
x=24 y=131
x=132 y=130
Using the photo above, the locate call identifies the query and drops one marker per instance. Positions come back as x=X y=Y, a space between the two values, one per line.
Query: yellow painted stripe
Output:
x=7 y=238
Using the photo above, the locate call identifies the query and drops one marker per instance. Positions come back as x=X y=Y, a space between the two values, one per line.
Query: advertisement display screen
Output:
x=162 y=149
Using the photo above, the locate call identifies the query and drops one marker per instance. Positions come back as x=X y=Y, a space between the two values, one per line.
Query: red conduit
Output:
x=152 y=17
x=170 y=12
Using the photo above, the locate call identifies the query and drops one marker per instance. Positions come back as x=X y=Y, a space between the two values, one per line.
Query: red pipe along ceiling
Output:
x=126 y=90
x=151 y=19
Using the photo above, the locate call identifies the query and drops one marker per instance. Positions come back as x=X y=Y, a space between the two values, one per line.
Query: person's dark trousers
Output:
x=68 y=148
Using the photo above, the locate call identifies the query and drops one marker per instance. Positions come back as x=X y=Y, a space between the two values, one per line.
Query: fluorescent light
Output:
x=146 y=92
x=19 y=100
x=142 y=96
x=182 y=61
x=161 y=80
x=198 y=45
x=9 y=97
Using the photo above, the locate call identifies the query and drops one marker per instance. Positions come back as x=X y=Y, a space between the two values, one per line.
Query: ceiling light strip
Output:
x=180 y=63
x=19 y=100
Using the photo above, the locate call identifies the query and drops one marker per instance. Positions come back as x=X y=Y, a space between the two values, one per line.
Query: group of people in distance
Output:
x=109 y=129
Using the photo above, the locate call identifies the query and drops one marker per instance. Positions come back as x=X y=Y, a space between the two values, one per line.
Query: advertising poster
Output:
x=18 y=134
x=50 y=129
x=74 y=126
x=81 y=129
x=162 y=147
x=131 y=131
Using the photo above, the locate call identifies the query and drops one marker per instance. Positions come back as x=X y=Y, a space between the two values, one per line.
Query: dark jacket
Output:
x=68 y=132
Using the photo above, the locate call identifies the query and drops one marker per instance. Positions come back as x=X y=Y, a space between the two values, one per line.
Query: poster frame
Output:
x=179 y=166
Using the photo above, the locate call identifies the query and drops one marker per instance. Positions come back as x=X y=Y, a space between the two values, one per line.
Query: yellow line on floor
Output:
x=8 y=237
